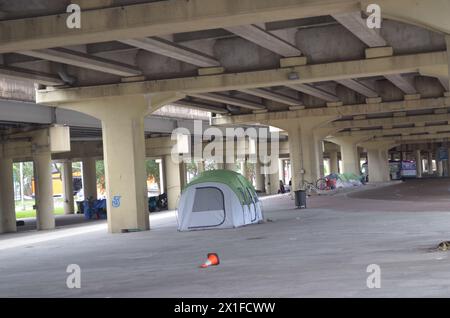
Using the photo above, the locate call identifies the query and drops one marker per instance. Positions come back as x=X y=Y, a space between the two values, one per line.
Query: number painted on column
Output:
x=116 y=201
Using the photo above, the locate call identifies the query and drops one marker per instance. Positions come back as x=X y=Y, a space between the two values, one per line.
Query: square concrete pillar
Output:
x=273 y=182
x=430 y=162
x=321 y=164
x=304 y=155
x=124 y=157
x=334 y=162
x=350 y=157
x=45 y=218
x=7 y=204
x=89 y=173
x=305 y=148
x=67 y=181
x=259 y=177
x=378 y=165
x=173 y=172
x=419 y=167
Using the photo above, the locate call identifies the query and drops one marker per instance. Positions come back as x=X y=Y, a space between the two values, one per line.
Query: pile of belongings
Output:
x=346 y=180
x=94 y=209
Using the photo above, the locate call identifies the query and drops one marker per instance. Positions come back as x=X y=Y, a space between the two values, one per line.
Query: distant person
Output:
x=282 y=189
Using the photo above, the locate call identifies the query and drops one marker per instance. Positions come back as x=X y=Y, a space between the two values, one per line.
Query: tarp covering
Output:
x=346 y=180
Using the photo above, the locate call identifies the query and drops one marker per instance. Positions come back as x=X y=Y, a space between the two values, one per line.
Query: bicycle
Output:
x=309 y=187
x=321 y=184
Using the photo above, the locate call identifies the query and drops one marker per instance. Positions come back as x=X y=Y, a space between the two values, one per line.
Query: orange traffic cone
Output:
x=213 y=260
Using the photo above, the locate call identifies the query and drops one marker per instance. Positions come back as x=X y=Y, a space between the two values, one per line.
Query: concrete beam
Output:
x=313 y=91
x=157 y=18
x=65 y=56
x=359 y=87
x=396 y=131
x=445 y=83
x=375 y=122
x=348 y=110
x=175 y=51
x=200 y=106
x=354 y=22
x=265 y=39
x=372 y=38
x=266 y=94
x=220 y=98
x=436 y=137
x=29 y=76
x=406 y=85
x=255 y=79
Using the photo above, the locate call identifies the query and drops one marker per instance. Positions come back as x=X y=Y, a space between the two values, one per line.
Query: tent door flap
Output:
x=208 y=208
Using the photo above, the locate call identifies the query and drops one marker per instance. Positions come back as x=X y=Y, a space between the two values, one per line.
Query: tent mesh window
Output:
x=208 y=199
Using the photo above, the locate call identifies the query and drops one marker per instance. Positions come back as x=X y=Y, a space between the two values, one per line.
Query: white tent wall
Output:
x=214 y=205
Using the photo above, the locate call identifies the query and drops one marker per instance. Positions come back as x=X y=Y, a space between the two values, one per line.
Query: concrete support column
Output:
x=378 y=161
x=447 y=40
x=7 y=205
x=385 y=167
x=243 y=166
x=430 y=162
x=419 y=168
x=67 y=181
x=404 y=155
x=374 y=166
x=305 y=147
x=89 y=178
x=440 y=168
x=124 y=156
x=259 y=177
x=334 y=162
x=303 y=154
x=445 y=168
x=173 y=176
x=350 y=158
x=45 y=218
x=274 y=182
x=321 y=164
x=350 y=155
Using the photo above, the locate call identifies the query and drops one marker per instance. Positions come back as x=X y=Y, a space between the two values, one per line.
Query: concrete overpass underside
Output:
x=313 y=69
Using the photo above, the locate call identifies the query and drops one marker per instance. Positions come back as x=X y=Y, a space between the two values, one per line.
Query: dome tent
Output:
x=218 y=199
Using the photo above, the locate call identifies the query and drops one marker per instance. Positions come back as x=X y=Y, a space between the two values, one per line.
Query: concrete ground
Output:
x=323 y=251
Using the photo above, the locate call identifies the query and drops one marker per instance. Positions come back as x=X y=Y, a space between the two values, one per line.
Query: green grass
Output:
x=29 y=212
x=32 y=213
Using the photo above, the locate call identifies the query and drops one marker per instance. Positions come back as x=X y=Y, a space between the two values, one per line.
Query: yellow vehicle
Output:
x=58 y=189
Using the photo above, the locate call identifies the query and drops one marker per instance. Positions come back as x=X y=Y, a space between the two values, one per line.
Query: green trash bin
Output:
x=300 y=199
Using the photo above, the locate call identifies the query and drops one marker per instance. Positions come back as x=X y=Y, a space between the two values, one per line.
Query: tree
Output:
x=76 y=167
x=27 y=176
x=153 y=170
x=192 y=168
x=100 y=173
